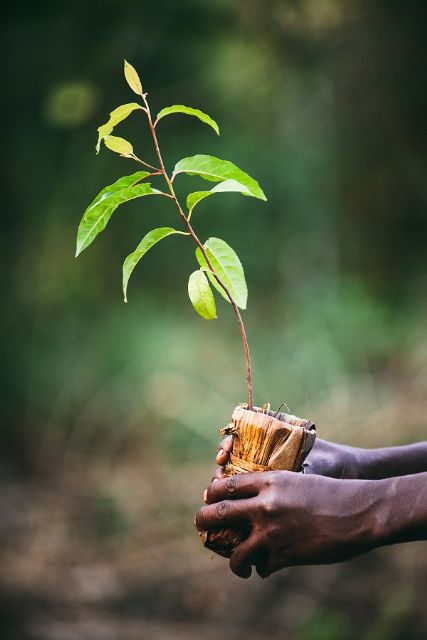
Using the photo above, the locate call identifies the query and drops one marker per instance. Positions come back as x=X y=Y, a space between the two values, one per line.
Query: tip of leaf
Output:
x=78 y=251
x=132 y=78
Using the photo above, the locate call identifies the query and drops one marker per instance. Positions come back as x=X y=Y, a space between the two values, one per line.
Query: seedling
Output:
x=219 y=264
x=265 y=441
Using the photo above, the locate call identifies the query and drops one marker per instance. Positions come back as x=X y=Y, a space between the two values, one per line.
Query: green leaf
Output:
x=118 y=145
x=228 y=185
x=228 y=267
x=201 y=295
x=132 y=78
x=121 y=183
x=150 y=239
x=97 y=215
x=117 y=115
x=217 y=170
x=179 y=108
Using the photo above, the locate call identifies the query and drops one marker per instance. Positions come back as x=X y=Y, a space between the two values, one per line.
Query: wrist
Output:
x=370 y=508
x=399 y=511
x=364 y=464
x=336 y=460
x=366 y=461
x=358 y=463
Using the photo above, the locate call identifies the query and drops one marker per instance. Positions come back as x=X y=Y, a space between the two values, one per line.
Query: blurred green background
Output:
x=110 y=412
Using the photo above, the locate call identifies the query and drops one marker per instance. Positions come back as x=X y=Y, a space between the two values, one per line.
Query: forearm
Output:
x=353 y=463
x=401 y=515
x=376 y=464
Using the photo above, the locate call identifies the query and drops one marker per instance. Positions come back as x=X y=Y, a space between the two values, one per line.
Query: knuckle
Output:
x=270 y=480
x=269 y=507
x=232 y=484
x=222 y=509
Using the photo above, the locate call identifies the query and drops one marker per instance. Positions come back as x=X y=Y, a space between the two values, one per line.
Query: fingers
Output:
x=225 y=446
x=246 y=485
x=219 y=474
x=227 y=443
x=263 y=570
x=267 y=563
x=244 y=556
x=222 y=457
x=224 y=514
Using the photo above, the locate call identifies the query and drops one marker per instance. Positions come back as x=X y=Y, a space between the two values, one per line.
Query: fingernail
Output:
x=220 y=451
x=215 y=480
x=205 y=495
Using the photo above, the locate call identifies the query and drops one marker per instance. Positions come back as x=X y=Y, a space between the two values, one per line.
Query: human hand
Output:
x=334 y=461
x=295 y=519
x=325 y=459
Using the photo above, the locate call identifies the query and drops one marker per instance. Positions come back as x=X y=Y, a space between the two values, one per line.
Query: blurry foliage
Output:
x=325 y=625
x=70 y=104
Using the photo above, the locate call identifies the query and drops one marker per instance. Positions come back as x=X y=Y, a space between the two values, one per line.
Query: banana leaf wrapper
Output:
x=262 y=441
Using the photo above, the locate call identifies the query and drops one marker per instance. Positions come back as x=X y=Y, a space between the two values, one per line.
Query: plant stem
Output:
x=203 y=250
x=149 y=166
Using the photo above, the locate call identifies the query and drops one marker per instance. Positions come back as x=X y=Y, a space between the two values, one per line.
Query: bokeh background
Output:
x=110 y=412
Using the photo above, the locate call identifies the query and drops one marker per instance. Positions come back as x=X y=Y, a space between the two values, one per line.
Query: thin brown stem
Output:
x=146 y=164
x=203 y=250
x=166 y=195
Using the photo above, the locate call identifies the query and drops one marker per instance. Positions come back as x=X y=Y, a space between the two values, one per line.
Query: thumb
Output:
x=225 y=446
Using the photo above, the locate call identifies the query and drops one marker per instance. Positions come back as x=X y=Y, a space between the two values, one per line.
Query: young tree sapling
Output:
x=261 y=437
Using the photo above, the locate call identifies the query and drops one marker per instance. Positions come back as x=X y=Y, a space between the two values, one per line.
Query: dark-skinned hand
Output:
x=295 y=519
x=351 y=463
x=298 y=519
x=325 y=459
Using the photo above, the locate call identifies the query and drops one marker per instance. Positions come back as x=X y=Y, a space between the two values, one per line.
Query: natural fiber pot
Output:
x=262 y=441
